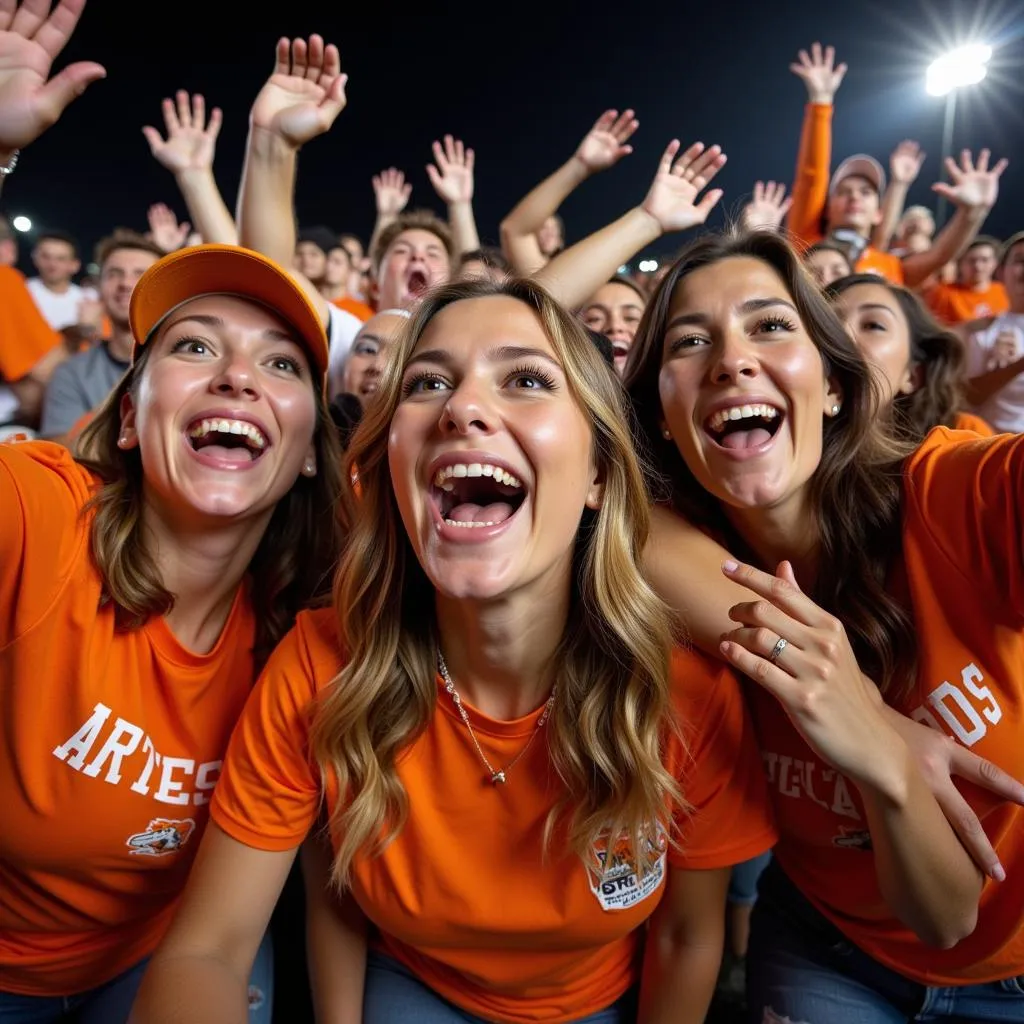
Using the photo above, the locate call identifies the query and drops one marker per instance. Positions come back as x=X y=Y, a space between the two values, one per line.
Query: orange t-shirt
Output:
x=465 y=896
x=962 y=575
x=358 y=309
x=968 y=421
x=955 y=304
x=25 y=336
x=110 y=743
x=810 y=193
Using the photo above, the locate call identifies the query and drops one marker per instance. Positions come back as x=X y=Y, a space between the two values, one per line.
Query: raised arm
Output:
x=822 y=77
x=391 y=193
x=904 y=166
x=973 y=192
x=301 y=100
x=31 y=38
x=671 y=204
x=451 y=174
x=187 y=153
x=602 y=147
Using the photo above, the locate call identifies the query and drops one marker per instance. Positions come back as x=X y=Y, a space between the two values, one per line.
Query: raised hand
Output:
x=190 y=141
x=768 y=207
x=164 y=228
x=391 y=192
x=819 y=72
x=452 y=177
x=905 y=162
x=671 y=199
x=30 y=40
x=815 y=676
x=605 y=143
x=974 y=185
x=304 y=95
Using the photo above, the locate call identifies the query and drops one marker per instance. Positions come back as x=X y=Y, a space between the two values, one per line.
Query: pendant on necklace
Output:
x=498 y=776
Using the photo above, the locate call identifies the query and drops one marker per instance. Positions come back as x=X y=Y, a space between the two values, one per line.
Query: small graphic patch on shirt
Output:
x=161 y=837
x=614 y=877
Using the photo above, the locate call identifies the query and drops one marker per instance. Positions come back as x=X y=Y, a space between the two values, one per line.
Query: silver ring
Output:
x=780 y=645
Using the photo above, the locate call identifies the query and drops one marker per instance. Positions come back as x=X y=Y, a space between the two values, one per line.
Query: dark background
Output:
x=521 y=83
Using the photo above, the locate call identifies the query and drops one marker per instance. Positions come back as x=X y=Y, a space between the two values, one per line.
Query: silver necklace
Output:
x=496 y=775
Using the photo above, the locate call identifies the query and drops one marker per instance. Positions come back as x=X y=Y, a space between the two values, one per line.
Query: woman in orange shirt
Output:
x=493 y=713
x=141 y=587
x=918 y=364
x=757 y=408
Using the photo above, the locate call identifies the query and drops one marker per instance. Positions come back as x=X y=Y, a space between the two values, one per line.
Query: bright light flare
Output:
x=648 y=266
x=966 y=65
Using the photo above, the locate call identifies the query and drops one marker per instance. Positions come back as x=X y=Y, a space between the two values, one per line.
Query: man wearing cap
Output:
x=846 y=209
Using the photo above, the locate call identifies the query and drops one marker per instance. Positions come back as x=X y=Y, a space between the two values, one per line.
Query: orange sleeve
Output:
x=729 y=816
x=42 y=492
x=268 y=794
x=810 y=182
x=967 y=495
x=938 y=300
x=968 y=421
x=25 y=336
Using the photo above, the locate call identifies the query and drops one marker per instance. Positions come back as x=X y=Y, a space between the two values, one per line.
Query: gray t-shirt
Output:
x=77 y=386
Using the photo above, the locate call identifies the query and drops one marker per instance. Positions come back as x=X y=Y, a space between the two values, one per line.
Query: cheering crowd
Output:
x=585 y=645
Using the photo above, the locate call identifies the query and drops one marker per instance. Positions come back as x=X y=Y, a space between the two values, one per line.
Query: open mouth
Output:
x=229 y=440
x=476 y=494
x=417 y=283
x=744 y=426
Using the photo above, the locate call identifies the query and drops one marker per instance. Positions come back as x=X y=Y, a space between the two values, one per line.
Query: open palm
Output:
x=190 y=142
x=605 y=143
x=304 y=95
x=30 y=40
x=974 y=186
x=672 y=198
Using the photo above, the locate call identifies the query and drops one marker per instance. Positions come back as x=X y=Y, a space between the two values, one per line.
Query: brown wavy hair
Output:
x=937 y=351
x=292 y=566
x=856 y=490
x=606 y=729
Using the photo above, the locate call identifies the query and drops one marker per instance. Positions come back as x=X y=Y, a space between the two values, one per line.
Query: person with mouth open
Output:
x=142 y=586
x=519 y=768
x=901 y=559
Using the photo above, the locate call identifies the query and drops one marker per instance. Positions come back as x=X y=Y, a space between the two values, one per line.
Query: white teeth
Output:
x=443 y=477
x=455 y=522
x=741 y=412
x=224 y=426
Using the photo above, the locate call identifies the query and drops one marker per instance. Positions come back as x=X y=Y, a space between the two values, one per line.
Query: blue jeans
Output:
x=743 y=880
x=801 y=969
x=112 y=1002
x=393 y=995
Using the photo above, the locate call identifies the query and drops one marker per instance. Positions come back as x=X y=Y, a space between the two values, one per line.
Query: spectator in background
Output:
x=60 y=300
x=337 y=278
x=84 y=381
x=615 y=310
x=8 y=244
x=976 y=293
x=485 y=263
x=827 y=262
x=915 y=231
x=995 y=350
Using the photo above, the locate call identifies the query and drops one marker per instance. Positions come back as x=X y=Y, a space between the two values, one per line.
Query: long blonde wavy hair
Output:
x=607 y=729
x=291 y=568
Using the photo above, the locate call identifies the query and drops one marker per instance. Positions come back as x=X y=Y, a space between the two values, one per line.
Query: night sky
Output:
x=521 y=83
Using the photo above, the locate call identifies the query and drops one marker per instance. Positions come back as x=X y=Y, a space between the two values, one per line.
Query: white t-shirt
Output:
x=341 y=332
x=1005 y=409
x=59 y=308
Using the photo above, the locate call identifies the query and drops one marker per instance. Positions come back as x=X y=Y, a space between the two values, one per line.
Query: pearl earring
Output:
x=122 y=441
x=835 y=409
x=666 y=434
x=310 y=468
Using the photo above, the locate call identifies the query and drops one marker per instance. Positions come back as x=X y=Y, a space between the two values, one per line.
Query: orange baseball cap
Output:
x=224 y=270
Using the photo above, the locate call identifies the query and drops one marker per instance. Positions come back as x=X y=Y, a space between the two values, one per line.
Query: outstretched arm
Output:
x=671 y=204
x=301 y=100
x=187 y=153
x=451 y=174
x=602 y=147
x=904 y=167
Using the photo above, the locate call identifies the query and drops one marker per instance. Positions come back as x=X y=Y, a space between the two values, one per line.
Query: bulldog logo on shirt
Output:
x=162 y=836
x=614 y=878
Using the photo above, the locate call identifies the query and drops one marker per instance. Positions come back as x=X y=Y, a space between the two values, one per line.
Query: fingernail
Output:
x=998 y=873
x=729 y=565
